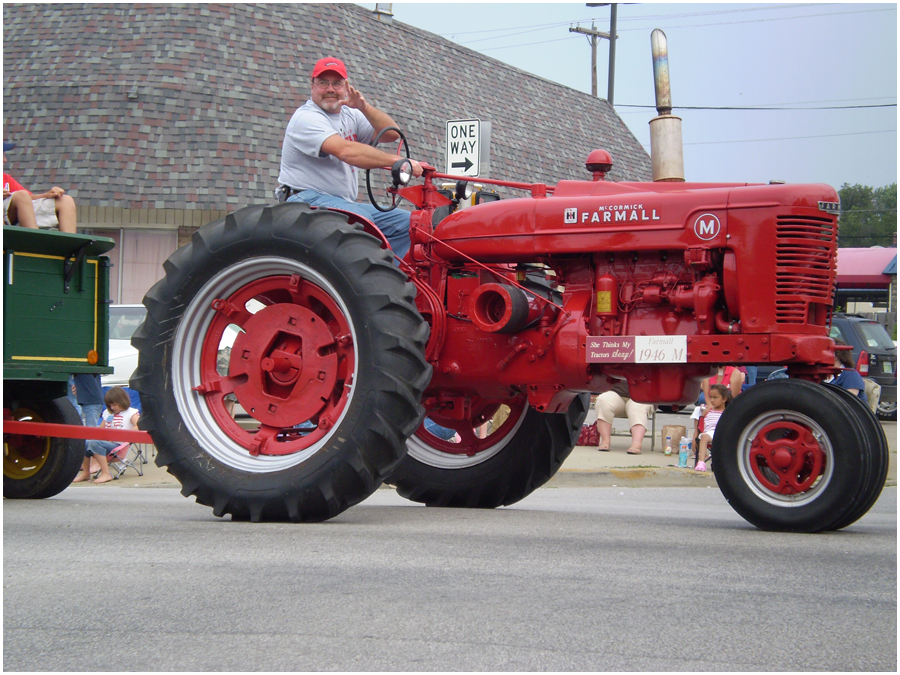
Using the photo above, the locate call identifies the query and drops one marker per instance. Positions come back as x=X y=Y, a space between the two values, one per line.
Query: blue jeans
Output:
x=99 y=448
x=91 y=414
x=69 y=395
x=394 y=224
x=441 y=432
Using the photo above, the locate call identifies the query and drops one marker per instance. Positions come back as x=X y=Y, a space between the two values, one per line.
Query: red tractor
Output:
x=288 y=362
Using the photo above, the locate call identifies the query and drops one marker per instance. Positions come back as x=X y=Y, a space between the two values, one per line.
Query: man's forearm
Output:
x=380 y=120
x=365 y=156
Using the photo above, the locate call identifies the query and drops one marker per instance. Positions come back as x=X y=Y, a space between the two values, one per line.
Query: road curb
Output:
x=634 y=477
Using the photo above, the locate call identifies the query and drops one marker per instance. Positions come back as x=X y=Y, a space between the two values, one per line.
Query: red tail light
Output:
x=862 y=363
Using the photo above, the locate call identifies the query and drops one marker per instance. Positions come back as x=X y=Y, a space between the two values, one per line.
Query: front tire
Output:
x=37 y=467
x=794 y=456
x=879 y=452
x=308 y=409
x=503 y=467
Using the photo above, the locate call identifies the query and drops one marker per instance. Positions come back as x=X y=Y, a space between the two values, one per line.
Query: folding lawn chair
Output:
x=121 y=458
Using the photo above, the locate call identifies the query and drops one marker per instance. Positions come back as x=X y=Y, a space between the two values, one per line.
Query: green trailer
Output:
x=55 y=323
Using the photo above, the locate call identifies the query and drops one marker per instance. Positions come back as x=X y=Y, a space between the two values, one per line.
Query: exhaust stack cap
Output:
x=666 y=148
x=660 y=49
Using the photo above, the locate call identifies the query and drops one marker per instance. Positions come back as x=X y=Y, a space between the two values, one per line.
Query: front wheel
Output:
x=504 y=452
x=794 y=456
x=37 y=467
x=281 y=364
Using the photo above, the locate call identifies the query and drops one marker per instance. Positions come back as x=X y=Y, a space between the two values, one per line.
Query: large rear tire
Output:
x=37 y=467
x=327 y=364
x=794 y=456
x=522 y=454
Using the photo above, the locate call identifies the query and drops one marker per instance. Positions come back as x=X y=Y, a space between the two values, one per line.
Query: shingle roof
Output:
x=217 y=84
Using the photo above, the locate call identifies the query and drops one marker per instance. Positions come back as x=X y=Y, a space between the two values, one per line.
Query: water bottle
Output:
x=668 y=449
x=684 y=449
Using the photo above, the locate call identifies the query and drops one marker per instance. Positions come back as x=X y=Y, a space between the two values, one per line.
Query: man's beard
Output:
x=330 y=105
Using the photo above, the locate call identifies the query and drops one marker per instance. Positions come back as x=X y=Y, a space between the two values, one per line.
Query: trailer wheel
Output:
x=877 y=469
x=794 y=456
x=281 y=364
x=519 y=456
x=37 y=467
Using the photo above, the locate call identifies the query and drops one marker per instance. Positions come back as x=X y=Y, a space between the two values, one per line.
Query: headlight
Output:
x=401 y=172
x=463 y=190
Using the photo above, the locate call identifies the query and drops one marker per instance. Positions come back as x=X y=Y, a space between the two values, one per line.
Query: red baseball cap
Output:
x=330 y=63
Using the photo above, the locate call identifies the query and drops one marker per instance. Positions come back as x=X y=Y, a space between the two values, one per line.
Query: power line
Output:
x=563 y=23
x=764 y=8
x=789 y=138
x=488 y=49
x=632 y=18
x=776 y=18
x=794 y=138
x=707 y=107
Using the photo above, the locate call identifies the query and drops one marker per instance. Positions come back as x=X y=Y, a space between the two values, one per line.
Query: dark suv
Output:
x=870 y=336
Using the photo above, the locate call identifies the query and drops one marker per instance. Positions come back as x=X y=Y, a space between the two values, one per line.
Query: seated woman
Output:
x=617 y=403
x=118 y=415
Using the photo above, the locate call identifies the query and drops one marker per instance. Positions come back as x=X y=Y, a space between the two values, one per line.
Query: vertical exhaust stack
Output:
x=666 y=150
x=383 y=12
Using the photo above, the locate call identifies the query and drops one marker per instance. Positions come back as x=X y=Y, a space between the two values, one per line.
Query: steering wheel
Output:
x=383 y=182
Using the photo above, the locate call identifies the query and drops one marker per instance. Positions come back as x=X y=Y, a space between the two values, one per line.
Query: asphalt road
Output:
x=569 y=579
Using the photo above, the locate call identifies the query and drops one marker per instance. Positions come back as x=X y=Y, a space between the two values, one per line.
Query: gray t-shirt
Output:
x=305 y=166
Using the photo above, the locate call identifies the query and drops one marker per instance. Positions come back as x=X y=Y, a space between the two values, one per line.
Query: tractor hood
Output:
x=601 y=216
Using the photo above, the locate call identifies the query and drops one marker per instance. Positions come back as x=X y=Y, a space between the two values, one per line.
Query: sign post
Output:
x=463 y=147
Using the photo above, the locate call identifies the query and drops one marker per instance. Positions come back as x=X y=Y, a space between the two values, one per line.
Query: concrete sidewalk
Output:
x=585 y=467
x=588 y=467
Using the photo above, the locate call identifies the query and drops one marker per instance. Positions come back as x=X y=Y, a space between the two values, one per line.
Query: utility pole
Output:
x=595 y=35
x=611 y=81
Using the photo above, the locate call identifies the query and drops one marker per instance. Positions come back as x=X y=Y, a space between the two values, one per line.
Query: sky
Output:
x=820 y=65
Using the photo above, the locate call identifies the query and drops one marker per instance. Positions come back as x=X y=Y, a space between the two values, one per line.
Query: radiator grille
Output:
x=805 y=265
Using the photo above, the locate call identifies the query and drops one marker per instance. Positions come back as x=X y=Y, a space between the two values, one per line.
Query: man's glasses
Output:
x=324 y=84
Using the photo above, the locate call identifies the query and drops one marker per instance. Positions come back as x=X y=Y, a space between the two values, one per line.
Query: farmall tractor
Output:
x=288 y=362
x=499 y=324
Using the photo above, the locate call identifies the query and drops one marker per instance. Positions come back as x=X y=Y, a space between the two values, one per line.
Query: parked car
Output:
x=866 y=335
x=123 y=322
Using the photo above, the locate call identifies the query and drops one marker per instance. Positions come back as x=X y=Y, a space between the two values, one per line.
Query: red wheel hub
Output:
x=786 y=458
x=283 y=364
x=291 y=363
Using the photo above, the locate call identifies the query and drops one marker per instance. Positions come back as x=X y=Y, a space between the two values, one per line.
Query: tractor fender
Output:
x=368 y=226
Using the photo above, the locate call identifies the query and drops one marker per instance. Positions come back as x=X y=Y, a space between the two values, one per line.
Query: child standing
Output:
x=719 y=397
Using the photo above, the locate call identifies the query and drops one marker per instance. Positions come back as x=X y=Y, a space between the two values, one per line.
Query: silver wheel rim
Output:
x=187 y=349
x=745 y=462
x=420 y=450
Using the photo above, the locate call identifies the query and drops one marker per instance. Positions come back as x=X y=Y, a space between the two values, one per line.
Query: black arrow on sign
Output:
x=465 y=166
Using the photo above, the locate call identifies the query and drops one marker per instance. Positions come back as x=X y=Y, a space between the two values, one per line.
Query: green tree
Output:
x=868 y=215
